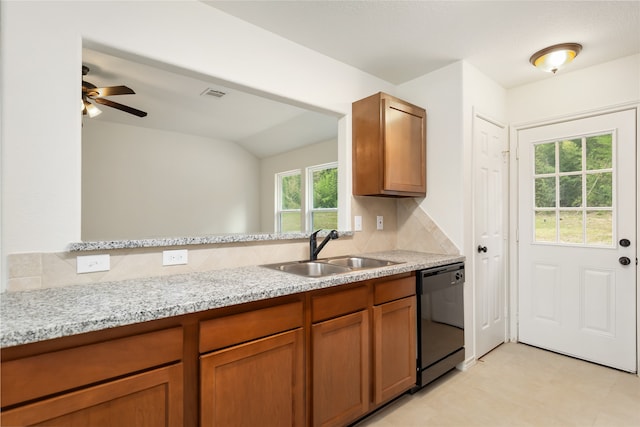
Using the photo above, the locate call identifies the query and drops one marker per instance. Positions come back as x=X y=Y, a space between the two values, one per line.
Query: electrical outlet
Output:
x=379 y=223
x=175 y=257
x=357 y=223
x=92 y=263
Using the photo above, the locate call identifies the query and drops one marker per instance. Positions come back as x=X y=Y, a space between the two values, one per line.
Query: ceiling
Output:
x=174 y=102
x=398 y=41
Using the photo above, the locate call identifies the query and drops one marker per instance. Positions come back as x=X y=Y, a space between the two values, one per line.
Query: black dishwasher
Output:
x=440 y=292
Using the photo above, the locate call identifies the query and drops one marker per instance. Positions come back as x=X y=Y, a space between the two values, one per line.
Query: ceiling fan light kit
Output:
x=92 y=93
x=552 y=58
x=91 y=110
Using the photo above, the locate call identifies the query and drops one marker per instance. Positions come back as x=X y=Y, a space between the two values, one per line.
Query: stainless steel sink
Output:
x=355 y=262
x=310 y=268
x=330 y=266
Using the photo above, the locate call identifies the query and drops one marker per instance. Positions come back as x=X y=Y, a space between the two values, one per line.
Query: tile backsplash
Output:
x=406 y=226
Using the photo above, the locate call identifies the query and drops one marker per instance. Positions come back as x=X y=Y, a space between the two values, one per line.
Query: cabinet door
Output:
x=394 y=326
x=150 y=399
x=340 y=366
x=404 y=148
x=259 y=383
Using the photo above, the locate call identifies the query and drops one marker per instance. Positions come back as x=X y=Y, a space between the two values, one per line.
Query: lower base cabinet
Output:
x=394 y=347
x=325 y=358
x=340 y=369
x=260 y=383
x=149 y=399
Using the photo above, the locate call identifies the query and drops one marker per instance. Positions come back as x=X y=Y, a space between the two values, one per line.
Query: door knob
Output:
x=625 y=243
x=482 y=249
x=624 y=260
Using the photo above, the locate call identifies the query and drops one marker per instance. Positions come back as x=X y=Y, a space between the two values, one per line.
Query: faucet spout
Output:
x=314 y=249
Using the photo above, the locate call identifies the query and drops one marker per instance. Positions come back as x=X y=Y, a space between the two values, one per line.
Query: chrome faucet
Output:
x=314 y=249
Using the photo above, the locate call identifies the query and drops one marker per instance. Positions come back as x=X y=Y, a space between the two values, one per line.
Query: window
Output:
x=288 y=201
x=316 y=207
x=574 y=191
x=323 y=201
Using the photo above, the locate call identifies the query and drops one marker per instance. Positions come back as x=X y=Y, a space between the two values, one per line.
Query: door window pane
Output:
x=599 y=153
x=545 y=192
x=599 y=190
x=570 y=155
x=570 y=227
x=600 y=227
x=571 y=191
x=545 y=155
x=545 y=226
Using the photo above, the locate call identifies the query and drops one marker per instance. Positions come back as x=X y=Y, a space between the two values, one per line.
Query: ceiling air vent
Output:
x=213 y=92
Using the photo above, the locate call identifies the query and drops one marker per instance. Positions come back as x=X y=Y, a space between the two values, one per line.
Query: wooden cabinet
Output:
x=323 y=358
x=389 y=147
x=258 y=378
x=150 y=399
x=101 y=384
x=394 y=343
x=340 y=357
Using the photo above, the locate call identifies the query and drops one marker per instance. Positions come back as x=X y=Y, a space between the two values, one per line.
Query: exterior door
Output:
x=490 y=166
x=577 y=226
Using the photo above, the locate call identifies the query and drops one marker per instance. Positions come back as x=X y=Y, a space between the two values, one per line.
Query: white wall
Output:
x=567 y=93
x=41 y=43
x=143 y=183
x=440 y=93
x=451 y=95
x=310 y=155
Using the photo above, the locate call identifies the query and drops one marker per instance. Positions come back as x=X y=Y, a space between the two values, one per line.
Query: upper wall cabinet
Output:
x=389 y=147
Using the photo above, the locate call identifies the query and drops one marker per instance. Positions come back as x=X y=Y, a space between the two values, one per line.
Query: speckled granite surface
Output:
x=188 y=241
x=31 y=316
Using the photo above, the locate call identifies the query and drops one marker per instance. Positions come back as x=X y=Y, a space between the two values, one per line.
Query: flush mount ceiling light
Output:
x=552 y=58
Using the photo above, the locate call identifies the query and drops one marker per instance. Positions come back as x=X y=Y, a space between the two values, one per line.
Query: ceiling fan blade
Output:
x=113 y=90
x=121 y=107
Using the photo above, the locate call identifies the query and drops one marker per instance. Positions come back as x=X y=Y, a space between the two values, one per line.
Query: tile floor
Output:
x=519 y=385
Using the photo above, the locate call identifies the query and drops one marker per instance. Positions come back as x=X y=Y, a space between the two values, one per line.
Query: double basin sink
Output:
x=330 y=266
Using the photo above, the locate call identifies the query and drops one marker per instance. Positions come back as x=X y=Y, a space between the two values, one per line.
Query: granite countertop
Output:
x=37 y=315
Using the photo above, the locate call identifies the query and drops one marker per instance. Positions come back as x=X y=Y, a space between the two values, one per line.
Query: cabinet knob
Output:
x=482 y=249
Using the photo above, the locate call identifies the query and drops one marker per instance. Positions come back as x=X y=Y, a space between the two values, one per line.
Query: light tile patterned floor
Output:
x=519 y=385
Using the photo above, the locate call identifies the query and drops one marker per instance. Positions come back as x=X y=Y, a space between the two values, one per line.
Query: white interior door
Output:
x=577 y=226
x=490 y=169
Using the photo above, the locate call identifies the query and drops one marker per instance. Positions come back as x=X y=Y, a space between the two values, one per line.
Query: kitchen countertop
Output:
x=37 y=315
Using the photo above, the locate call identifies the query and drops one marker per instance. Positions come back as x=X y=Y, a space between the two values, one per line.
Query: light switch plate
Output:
x=357 y=223
x=379 y=223
x=93 y=263
x=175 y=257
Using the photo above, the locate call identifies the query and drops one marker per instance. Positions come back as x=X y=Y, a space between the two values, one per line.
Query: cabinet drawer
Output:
x=337 y=303
x=45 y=374
x=393 y=290
x=238 y=328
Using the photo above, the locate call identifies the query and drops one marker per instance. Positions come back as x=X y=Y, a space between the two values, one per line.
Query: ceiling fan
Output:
x=96 y=94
